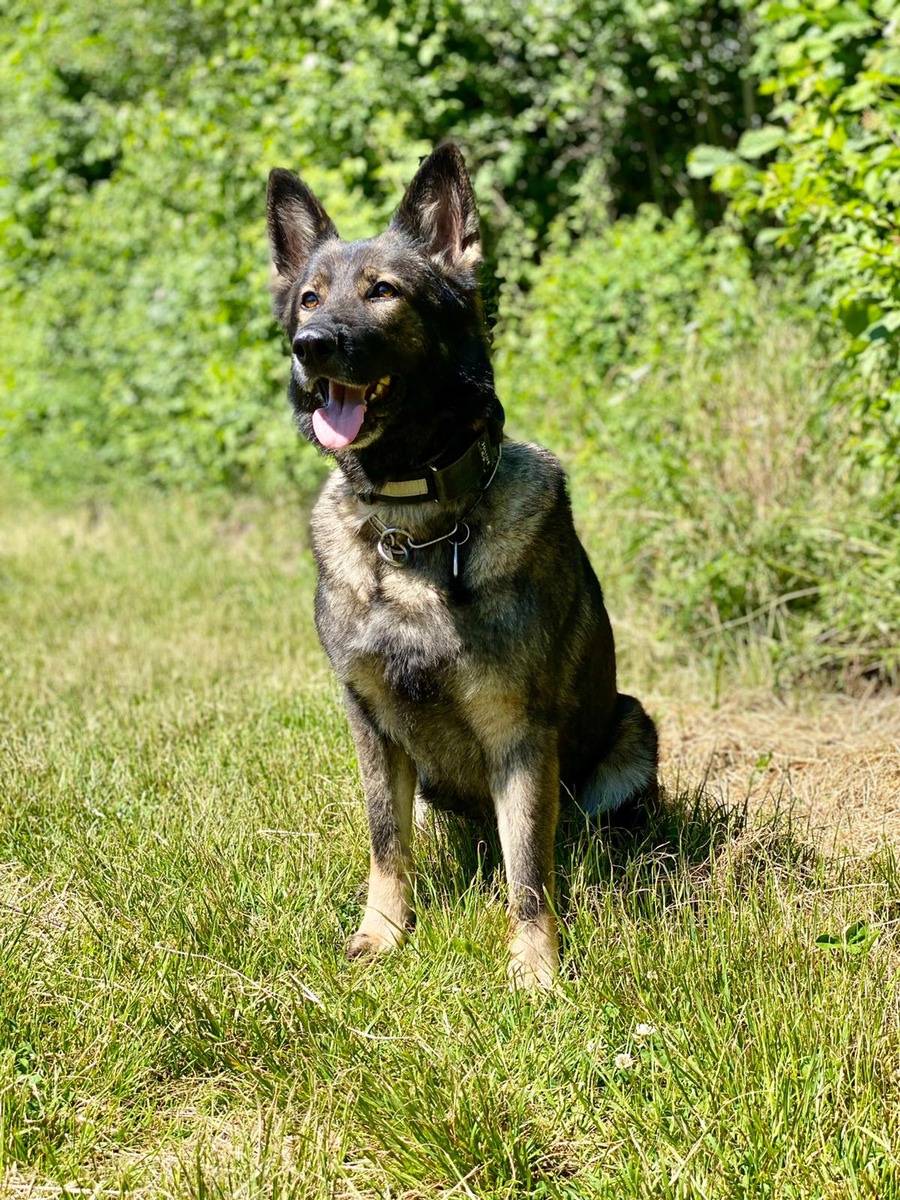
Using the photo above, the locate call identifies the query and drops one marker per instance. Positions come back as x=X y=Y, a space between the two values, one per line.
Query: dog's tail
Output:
x=627 y=773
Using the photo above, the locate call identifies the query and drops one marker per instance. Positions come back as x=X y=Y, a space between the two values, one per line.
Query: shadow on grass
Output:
x=644 y=845
x=682 y=831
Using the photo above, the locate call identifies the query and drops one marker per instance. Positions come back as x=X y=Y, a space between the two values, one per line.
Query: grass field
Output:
x=183 y=846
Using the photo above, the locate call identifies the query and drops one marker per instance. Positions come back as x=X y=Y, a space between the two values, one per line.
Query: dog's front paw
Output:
x=368 y=943
x=534 y=976
x=533 y=955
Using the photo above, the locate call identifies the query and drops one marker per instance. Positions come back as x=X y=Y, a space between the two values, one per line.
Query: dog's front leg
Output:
x=525 y=787
x=389 y=779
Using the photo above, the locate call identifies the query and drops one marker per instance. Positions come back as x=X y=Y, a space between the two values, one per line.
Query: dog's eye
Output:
x=309 y=300
x=383 y=291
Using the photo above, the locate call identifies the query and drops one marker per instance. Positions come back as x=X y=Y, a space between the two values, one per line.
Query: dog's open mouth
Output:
x=338 y=422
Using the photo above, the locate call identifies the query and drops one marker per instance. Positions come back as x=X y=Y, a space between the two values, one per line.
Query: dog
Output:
x=455 y=602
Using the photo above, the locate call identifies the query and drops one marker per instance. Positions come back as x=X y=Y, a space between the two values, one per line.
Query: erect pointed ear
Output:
x=297 y=224
x=439 y=211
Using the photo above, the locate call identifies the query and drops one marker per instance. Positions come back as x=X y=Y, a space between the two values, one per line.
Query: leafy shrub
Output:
x=707 y=452
x=134 y=331
x=609 y=303
x=830 y=194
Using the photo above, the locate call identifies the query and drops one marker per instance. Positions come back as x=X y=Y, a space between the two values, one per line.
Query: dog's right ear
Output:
x=297 y=223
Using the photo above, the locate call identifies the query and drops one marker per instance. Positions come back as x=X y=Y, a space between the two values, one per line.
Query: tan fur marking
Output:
x=388 y=911
x=417 y=596
x=368 y=680
x=534 y=953
x=527 y=808
x=423 y=814
x=351 y=567
x=495 y=712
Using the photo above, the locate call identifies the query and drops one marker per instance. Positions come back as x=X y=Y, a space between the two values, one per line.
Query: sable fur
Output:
x=477 y=694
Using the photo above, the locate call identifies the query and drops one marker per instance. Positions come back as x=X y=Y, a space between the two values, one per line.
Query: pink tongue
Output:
x=338 y=423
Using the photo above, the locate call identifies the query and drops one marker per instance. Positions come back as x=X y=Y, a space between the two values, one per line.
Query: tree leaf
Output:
x=704 y=161
x=757 y=142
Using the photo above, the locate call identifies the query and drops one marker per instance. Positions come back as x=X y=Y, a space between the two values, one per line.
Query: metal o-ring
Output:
x=392 y=550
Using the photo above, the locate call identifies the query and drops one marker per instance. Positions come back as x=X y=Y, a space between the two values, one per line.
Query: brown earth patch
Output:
x=832 y=762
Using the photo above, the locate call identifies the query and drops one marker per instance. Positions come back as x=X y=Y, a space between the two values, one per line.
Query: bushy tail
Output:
x=627 y=774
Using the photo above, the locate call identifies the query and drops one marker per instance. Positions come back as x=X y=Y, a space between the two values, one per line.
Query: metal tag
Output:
x=456 y=542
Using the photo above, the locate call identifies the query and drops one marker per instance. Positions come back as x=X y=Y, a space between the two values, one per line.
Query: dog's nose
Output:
x=314 y=347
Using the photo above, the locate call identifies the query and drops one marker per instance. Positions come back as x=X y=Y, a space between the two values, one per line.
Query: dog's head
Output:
x=389 y=352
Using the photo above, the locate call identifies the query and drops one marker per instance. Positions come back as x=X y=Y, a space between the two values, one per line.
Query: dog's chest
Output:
x=403 y=641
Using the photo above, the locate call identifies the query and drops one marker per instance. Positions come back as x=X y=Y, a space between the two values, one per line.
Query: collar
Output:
x=471 y=472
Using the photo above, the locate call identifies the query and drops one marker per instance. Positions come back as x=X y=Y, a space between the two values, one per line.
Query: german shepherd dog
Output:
x=455 y=601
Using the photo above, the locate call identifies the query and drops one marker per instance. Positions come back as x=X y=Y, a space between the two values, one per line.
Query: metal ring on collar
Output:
x=392 y=549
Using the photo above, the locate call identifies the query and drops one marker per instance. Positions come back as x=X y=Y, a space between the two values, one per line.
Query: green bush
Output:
x=607 y=302
x=134 y=147
x=708 y=454
x=828 y=192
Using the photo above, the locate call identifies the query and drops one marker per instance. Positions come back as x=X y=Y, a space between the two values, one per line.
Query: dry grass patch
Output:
x=833 y=762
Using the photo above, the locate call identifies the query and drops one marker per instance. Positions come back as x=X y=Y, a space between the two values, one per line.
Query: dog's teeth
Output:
x=381 y=387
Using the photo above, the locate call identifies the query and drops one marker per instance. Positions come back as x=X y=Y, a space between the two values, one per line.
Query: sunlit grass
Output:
x=181 y=852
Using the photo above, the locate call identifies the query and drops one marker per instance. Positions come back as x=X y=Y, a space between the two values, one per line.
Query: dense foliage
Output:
x=693 y=407
x=830 y=195
x=135 y=144
x=135 y=335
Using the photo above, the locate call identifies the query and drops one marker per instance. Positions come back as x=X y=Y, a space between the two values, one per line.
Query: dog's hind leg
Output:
x=627 y=773
x=525 y=788
x=389 y=780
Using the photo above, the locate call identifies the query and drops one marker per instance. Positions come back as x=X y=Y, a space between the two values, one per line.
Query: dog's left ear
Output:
x=439 y=211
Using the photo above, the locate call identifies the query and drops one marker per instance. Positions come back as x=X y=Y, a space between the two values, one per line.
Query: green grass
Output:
x=181 y=855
